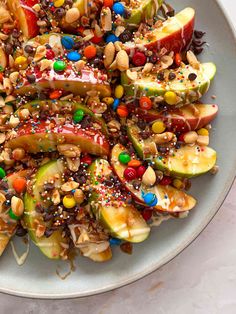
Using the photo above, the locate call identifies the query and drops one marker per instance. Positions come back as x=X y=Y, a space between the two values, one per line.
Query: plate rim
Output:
x=167 y=259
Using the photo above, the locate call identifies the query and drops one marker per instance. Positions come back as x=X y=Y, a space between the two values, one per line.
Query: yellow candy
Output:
x=21 y=62
x=178 y=184
x=69 y=201
x=108 y=100
x=158 y=127
x=58 y=3
x=170 y=98
x=119 y=91
x=203 y=132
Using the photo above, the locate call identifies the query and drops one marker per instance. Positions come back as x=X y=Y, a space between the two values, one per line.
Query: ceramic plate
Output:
x=37 y=277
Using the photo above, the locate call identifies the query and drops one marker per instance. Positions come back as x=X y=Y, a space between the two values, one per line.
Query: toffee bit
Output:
x=126 y=248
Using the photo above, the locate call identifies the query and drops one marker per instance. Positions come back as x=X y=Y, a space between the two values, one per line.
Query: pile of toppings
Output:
x=101 y=125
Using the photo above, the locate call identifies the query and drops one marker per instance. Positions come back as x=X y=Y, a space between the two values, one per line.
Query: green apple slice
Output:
x=169 y=198
x=63 y=107
x=187 y=161
x=142 y=10
x=188 y=91
x=8 y=225
x=121 y=219
x=50 y=247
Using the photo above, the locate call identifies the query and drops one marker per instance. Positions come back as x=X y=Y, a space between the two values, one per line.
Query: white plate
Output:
x=37 y=277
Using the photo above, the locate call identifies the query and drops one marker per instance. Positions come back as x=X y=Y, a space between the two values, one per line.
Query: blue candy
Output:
x=73 y=56
x=118 y=8
x=67 y=42
x=111 y=38
x=150 y=199
x=115 y=241
x=115 y=104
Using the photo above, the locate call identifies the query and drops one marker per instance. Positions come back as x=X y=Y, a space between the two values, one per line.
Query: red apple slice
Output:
x=169 y=198
x=42 y=136
x=174 y=34
x=26 y=16
x=186 y=118
x=76 y=83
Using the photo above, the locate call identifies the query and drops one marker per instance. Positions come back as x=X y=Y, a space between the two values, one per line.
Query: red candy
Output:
x=96 y=39
x=19 y=184
x=140 y=171
x=86 y=159
x=147 y=214
x=50 y=54
x=130 y=174
x=139 y=59
x=166 y=181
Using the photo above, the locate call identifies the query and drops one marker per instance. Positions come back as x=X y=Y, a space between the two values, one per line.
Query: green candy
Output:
x=78 y=115
x=59 y=66
x=2 y=173
x=12 y=215
x=124 y=158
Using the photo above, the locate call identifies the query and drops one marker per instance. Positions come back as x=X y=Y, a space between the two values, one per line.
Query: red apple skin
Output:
x=42 y=136
x=177 y=120
x=27 y=19
x=176 y=41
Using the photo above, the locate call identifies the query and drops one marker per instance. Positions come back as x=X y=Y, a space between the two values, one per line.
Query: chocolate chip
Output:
x=199 y=34
x=153 y=58
x=108 y=183
x=172 y=76
x=192 y=76
x=48 y=232
x=197 y=50
x=20 y=231
x=48 y=217
x=125 y=36
x=29 y=49
x=60 y=12
x=161 y=76
x=9 y=48
x=127 y=14
x=49 y=186
x=39 y=208
x=15 y=33
x=31 y=78
x=145 y=134
x=136 y=184
x=3 y=185
x=141 y=124
x=86 y=122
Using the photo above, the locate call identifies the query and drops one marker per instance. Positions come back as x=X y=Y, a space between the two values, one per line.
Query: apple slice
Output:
x=25 y=15
x=8 y=225
x=187 y=161
x=169 y=199
x=142 y=10
x=3 y=59
x=62 y=107
x=184 y=119
x=78 y=84
x=52 y=246
x=122 y=220
x=175 y=34
x=42 y=136
x=188 y=91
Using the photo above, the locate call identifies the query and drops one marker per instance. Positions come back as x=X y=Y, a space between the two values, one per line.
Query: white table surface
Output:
x=201 y=280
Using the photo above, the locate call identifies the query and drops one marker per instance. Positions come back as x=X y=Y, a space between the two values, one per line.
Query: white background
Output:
x=201 y=280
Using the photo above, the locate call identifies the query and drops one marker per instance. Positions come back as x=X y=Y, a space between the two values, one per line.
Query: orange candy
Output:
x=55 y=94
x=145 y=103
x=90 y=52
x=122 y=111
x=108 y=3
x=134 y=163
x=178 y=59
x=1 y=77
x=19 y=184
